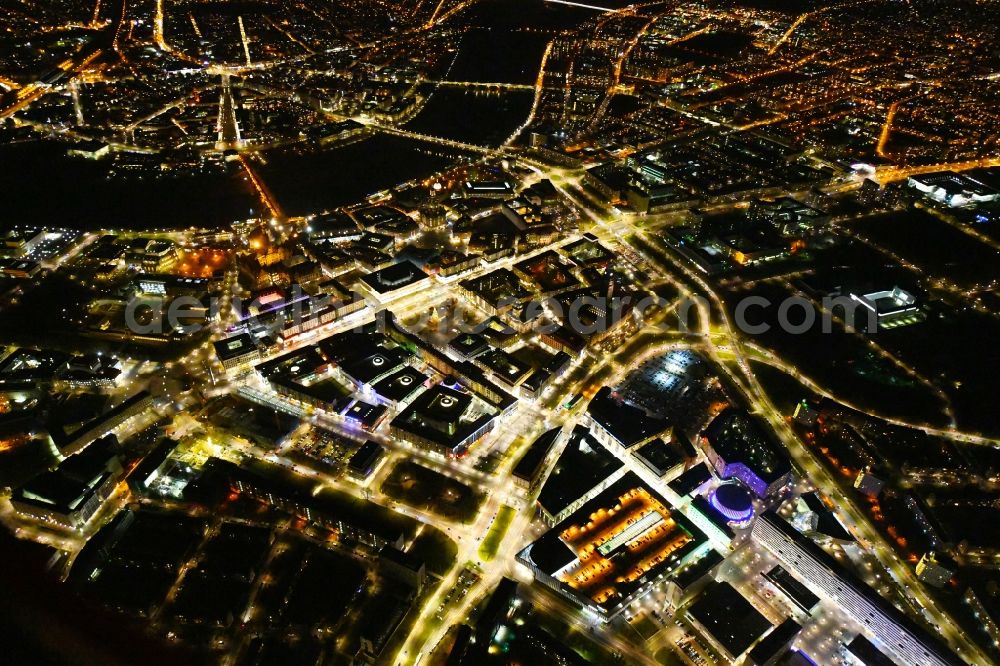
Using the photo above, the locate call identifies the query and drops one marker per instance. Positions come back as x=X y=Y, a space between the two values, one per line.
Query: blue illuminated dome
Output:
x=733 y=501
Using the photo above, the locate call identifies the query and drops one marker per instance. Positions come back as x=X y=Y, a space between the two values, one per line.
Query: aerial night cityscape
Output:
x=520 y=332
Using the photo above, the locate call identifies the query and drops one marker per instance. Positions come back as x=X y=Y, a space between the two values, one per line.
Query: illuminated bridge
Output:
x=450 y=143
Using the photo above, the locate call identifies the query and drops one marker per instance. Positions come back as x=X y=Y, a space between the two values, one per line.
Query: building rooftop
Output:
x=694 y=571
x=31 y=365
x=615 y=544
x=442 y=415
x=366 y=457
x=865 y=652
x=733 y=501
x=659 y=456
x=373 y=366
x=140 y=475
x=497 y=286
x=705 y=508
x=298 y=364
x=220 y=478
x=792 y=588
x=235 y=346
x=689 y=481
x=396 y=276
x=528 y=467
x=848 y=579
x=729 y=618
x=401 y=558
x=69 y=486
x=469 y=345
x=889 y=301
x=400 y=385
x=366 y=414
x=772 y=644
x=738 y=437
x=488 y=188
x=627 y=424
x=504 y=366
x=583 y=464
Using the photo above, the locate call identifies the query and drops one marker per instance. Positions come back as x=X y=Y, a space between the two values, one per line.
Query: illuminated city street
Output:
x=466 y=332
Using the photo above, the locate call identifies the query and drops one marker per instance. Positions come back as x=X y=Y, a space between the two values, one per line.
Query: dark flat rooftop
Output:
x=530 y=463
x=366 y=456
x=583 y=464
x=365 y=413
x=659 y=456
x=234 y=346
x=629 y=425
x=774 y=642
x=731 y=620
x=687 y=482
x=400 y=384
x=866 y=652
x=366 y=369
x=792 y=588
x=394 y=277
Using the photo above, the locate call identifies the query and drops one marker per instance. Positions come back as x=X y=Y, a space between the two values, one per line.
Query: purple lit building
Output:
x=741 y=447
x=733 y=501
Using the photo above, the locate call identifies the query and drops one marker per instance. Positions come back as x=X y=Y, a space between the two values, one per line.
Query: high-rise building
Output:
x=890 y=628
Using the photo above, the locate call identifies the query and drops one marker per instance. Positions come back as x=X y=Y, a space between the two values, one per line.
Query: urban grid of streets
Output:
x=629 y=234
x=718 y=340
